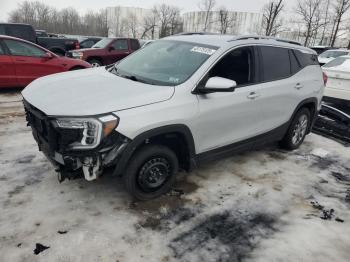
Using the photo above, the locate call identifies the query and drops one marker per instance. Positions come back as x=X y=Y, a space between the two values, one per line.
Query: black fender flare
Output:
x=140 y=139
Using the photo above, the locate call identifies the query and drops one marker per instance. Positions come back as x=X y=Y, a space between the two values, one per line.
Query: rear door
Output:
x=8 y=76
x=30 y=62
x=279 y=89
x=117 y=50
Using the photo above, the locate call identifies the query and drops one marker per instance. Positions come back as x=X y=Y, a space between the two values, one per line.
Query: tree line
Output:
x=317 y=22
x=64 y=21
x=312 y=21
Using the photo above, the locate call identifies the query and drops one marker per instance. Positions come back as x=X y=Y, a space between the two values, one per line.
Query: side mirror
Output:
x=218 y=84
x=111 y=48
x=48 y=55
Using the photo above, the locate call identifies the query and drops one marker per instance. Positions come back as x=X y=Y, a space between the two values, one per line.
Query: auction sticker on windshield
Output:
x=203 y=50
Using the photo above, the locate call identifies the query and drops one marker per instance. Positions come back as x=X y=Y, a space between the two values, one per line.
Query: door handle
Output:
x=253 y=95
x=20 y=60
x=298 y=86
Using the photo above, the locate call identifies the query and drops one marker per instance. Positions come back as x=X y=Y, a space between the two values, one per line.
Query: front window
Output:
x=103 y=43
x=165 y=62
x=18 y=48
x=333 y=54
x=339 y=61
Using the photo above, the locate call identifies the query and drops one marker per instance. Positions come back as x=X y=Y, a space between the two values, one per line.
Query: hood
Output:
x=91 y=92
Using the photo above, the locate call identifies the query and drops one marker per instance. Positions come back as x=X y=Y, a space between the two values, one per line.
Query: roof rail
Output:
x=258 y=37
x=197 y=33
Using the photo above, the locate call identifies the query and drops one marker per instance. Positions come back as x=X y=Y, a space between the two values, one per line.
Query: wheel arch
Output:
x=311 y=104
x=177 y=137
x=88 y=59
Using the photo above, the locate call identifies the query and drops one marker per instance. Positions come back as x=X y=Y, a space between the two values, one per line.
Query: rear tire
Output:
x=297 y=130
x=95 y=62
x=151 y=172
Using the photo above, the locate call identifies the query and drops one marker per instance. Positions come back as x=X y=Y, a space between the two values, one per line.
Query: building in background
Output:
x=135 y=22
x=127 y=21
x=229 y=22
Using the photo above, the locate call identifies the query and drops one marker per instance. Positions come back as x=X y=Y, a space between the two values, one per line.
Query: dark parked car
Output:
x=21 y=62
x=320 y=49
x=107 y=51
x=24 y=31
x=89 y=42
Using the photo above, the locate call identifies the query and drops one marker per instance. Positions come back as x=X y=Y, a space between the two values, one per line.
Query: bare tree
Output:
x=150 y=23
x=167 y=16
x=67 y=20
x=271 y=13
x=207 y=6
x=341 y=7
x=132 y=24
x=310 y=13
x=225 y=20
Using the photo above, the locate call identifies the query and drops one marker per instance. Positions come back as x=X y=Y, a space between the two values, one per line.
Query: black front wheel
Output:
x=151 y=172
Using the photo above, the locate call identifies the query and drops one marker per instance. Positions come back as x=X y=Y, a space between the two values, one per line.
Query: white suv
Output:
x=177 y=102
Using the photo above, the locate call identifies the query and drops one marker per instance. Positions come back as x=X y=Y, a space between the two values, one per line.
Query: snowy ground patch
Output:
x=263 y=205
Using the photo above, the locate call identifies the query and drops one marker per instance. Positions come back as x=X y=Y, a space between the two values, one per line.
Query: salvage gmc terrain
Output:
x=177 y=102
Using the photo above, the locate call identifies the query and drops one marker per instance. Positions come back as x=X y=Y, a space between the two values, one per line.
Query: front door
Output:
x=118 y=49
x=30 y=61
x=226 y=118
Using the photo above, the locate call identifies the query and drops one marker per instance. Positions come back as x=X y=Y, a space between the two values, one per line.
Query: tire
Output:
x=151 y=172
x=95 y=62
x=297 y=130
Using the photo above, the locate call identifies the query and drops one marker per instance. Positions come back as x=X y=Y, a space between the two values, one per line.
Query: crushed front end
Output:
x=77 y=146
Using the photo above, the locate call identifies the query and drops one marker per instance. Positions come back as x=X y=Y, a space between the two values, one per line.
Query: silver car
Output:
x=174 y=104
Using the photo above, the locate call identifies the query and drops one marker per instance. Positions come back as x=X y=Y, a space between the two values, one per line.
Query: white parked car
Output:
x=174 y=104
x=329 y=55
x=338 y=84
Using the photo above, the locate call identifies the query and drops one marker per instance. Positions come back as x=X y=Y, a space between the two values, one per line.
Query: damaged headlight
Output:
x=89 y=131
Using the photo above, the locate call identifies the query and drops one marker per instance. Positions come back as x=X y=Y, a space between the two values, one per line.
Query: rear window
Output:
x=276 y=63
x=21 y=31
x=294 y=64
x=345 y=61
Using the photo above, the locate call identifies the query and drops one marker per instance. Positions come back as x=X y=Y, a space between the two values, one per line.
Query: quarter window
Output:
x=18 y=48
x=275 y=61
x=236 y=65
x=121 y=44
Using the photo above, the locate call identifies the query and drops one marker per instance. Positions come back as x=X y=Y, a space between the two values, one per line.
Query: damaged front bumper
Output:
x=69 y=163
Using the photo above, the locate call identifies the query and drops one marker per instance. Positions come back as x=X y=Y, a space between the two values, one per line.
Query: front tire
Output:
x=95 y=62
x=151 y=172
x=297 y=130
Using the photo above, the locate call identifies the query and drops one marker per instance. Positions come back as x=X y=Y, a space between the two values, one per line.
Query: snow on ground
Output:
x=264 y=205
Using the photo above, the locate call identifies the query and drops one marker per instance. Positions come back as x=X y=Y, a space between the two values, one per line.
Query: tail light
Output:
x=325 y=78
x=77 y=45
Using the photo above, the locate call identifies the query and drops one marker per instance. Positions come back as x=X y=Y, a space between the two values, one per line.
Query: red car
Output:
x=21 y=62
x=107 y=51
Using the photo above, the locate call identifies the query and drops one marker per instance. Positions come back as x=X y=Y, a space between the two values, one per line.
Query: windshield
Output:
x=165 y=62
x=332 y=54
x=103 y=43
x=345 y=61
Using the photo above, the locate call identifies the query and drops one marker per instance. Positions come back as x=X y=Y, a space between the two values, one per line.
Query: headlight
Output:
x=89 y=131
x=78 y=55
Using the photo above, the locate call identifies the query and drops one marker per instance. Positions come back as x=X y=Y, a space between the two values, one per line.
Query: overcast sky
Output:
x=186 y=5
